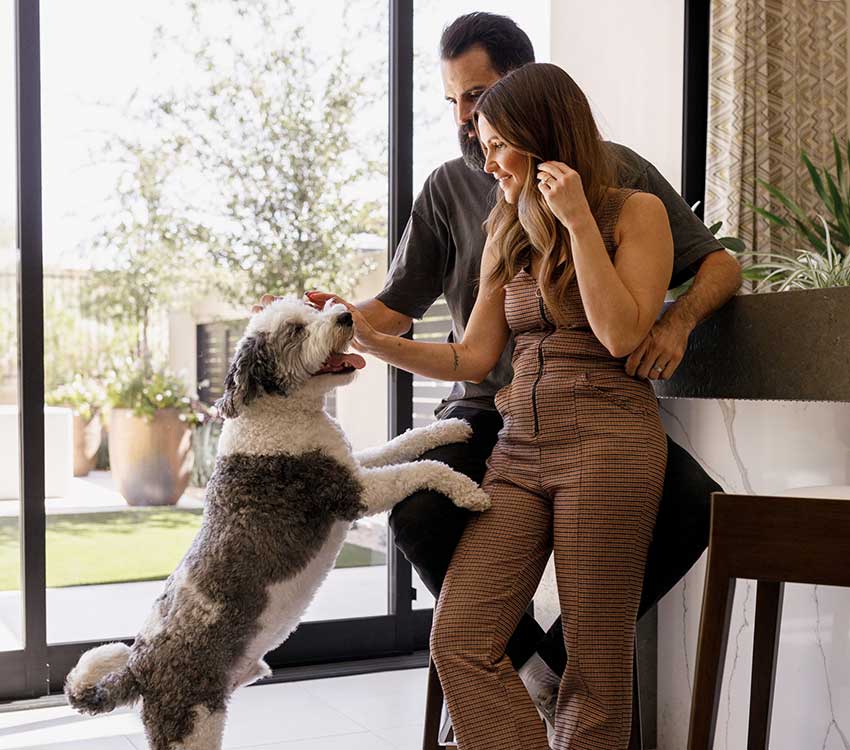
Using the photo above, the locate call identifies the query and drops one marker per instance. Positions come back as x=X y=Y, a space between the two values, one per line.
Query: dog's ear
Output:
x=251 y=372
x=288 y=341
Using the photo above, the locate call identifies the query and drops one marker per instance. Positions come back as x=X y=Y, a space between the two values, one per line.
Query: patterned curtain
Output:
x=777 y=86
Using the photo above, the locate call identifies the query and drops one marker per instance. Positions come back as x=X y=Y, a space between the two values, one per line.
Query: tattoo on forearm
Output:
x=455 y=355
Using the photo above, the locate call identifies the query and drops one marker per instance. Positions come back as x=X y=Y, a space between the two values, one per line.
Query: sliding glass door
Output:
x=174 y=165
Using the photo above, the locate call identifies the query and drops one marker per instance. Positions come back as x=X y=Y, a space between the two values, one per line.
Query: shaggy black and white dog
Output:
x=284 y=492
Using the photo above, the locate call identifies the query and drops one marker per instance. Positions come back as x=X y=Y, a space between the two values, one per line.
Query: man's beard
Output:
x=470 y=148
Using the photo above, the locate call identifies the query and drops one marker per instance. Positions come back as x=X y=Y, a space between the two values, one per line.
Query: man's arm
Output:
x=715 y=283
x=385 y=319
x=380 y=317
x=718 y=274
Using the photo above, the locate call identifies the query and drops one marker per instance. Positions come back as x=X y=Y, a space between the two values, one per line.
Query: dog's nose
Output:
x=345 y=319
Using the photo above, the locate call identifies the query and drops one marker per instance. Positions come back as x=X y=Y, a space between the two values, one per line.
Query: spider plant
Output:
x=803 y=268
x=833 y=189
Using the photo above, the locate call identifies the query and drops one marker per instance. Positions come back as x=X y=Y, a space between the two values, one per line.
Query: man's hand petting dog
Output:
x=268 y=298
x=264 y=302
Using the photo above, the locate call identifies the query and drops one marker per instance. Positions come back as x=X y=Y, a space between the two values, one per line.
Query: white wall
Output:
x=628 y=57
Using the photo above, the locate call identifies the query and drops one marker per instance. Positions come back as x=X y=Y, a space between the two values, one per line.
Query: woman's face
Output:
x=504 y=162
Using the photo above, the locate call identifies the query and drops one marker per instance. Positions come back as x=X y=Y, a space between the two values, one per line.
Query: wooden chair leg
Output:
x=646 y=670
x=433 y=709
x=711 y=655
x=769 y=596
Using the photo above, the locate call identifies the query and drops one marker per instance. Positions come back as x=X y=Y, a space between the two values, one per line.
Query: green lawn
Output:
x=138 y=544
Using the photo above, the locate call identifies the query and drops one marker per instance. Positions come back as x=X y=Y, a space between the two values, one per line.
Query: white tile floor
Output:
x=379 y=711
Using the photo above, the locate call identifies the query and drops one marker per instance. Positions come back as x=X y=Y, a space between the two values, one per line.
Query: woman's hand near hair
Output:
x=563 y=192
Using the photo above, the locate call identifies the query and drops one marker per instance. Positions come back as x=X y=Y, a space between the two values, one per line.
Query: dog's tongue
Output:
x=341 y=361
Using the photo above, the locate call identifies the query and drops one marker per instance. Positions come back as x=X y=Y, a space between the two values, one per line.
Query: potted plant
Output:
x=833 y=190
x=151 y=417
x=824 y=260
x=85 y=398
x=805 y=268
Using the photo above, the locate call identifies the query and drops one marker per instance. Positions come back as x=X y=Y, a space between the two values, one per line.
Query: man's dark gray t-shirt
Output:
x=440 y=253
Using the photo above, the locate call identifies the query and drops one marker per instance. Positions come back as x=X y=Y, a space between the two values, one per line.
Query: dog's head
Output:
x=286 y=347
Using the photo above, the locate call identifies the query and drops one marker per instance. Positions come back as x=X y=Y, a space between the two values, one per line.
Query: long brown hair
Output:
x=541 y=112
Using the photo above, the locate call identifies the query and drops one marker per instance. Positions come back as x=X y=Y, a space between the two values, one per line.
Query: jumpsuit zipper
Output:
x=540 y=362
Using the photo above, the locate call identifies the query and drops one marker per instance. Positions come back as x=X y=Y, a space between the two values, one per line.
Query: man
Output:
x=440 y=253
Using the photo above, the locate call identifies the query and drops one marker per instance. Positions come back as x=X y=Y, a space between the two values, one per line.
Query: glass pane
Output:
x=10 y=504
x=435 y=141
x=216 y=156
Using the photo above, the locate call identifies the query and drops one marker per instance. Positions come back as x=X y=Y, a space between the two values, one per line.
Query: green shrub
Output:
x=85 y=396
x=145 y=388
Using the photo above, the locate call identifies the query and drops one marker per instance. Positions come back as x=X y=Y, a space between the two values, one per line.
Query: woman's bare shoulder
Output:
x=640 y=200
x=641 y=211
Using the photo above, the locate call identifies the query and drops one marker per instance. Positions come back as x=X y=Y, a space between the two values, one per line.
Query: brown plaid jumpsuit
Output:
x=578 y=466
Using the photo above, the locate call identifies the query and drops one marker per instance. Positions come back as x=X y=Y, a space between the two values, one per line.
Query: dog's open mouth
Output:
x=341 y=363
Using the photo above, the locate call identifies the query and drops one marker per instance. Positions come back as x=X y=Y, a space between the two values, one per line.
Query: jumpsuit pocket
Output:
x=623 y=391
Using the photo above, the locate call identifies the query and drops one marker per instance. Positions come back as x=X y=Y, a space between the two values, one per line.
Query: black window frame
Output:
x=697 y=35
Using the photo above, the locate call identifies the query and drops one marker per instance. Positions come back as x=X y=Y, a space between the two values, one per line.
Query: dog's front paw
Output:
x=448 y=431
x=471 y=496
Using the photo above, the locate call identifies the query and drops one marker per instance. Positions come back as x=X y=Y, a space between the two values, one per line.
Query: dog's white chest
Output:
x=288 y=599
x=300 y=431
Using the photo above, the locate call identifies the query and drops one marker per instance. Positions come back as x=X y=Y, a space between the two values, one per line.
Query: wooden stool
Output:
x=771 y=540
x=434 y=708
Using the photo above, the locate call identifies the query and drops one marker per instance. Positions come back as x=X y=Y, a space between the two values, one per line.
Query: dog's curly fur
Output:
x=283 y=494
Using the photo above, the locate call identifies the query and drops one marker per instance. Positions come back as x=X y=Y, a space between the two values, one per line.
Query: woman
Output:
x=577 y=271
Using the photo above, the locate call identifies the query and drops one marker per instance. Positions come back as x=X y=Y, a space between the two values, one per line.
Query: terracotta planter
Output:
x=151 y=461
x=87 y=436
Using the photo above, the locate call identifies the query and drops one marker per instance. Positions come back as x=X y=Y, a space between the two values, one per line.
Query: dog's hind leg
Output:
x=207 y=731
x=254 y=672
x=176 y=728
x=388 y=485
